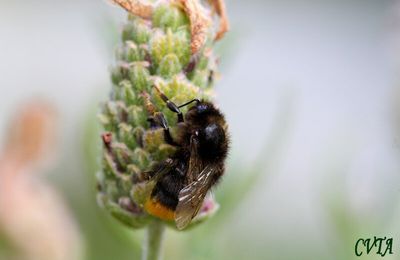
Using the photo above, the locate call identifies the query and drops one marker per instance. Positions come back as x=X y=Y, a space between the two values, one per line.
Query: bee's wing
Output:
x=191 y=197
x=195 y=163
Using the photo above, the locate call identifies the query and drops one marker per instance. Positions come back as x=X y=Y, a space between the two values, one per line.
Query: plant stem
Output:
x=152 y=245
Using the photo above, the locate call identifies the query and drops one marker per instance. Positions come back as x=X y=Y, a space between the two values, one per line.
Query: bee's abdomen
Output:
x=165 y=194
x=157 y=209
x=167 y=189
x=164 y=197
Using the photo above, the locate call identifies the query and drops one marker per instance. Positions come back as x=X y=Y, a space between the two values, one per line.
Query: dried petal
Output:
x=136 y=7
x=219 y=8
x=199 y=23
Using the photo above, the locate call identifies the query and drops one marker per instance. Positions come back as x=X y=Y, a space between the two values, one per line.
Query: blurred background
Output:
x=310 y=90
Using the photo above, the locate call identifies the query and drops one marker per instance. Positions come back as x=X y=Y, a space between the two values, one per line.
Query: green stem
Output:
x=152 y=245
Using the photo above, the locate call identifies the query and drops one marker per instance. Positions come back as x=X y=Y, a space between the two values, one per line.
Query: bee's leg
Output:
x=171 y=105
x=162 y=121
x=156 y=172
x=157 y=119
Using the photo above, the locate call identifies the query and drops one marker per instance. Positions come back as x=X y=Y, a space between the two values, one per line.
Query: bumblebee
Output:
x=183 y=180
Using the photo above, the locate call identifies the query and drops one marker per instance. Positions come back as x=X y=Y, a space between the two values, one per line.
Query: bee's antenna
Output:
x=188 y=103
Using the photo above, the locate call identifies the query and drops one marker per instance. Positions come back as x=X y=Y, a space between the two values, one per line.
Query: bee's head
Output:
x=212 y=142
x=207 y=126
